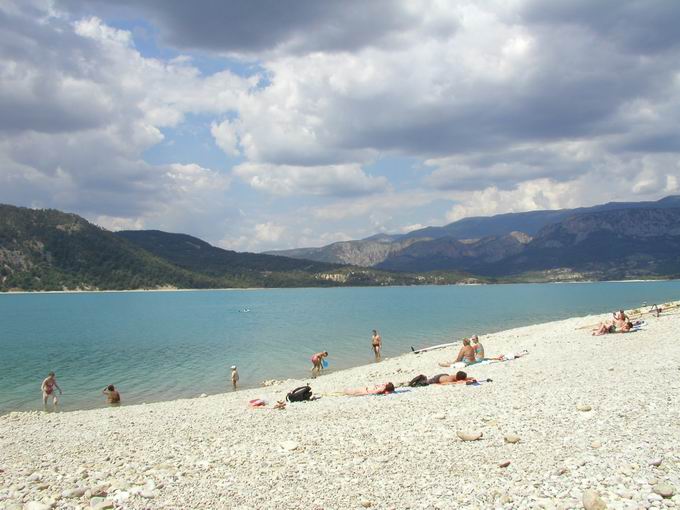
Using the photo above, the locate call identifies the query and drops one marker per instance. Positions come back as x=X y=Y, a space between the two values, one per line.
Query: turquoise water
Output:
x=166 y=345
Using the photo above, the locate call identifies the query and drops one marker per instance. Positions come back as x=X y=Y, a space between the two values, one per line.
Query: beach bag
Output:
x=301 y=394
x=419 y=380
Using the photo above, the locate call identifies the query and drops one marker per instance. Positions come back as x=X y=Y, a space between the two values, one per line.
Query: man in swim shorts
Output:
x=376 y=343
x=47 y=387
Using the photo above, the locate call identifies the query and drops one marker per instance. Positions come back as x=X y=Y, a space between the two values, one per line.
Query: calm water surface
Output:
x=165 y=345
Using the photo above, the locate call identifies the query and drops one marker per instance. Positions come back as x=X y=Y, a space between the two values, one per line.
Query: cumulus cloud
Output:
x=339 y=180
x=78 y=107
x=504 y=106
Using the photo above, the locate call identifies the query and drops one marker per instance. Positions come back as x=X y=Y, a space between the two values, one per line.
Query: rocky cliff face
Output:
x=365 y=253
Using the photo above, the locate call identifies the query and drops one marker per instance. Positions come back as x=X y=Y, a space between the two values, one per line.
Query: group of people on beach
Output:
x=619 y=323
x=50 y=383
x=319 y=357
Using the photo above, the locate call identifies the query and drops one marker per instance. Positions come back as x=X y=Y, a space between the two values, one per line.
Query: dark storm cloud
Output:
x=37 y=59
x=244 y=26
x=641 y=26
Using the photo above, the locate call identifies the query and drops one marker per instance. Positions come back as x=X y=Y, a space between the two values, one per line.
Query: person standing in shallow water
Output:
x=376 y=342
x=234 y=376
x=317 y=362
x=47 y=387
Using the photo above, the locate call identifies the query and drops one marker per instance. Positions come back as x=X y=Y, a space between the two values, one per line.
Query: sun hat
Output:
x=233 y=367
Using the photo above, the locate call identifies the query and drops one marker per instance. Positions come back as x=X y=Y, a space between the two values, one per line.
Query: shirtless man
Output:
x=459 y=377
x=47 y=387
x=466 y=353
x=376 y=342
x=112 y=395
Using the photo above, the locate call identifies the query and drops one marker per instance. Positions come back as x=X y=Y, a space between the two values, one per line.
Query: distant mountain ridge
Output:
x=46 y=249
x=389 y=251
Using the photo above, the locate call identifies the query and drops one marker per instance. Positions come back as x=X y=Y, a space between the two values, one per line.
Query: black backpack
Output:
x=301 y=394
x=419 y=380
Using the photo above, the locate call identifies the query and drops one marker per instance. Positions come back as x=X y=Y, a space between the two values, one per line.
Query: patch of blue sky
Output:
x=401 y=171
x=146 y=36
x=191 y=142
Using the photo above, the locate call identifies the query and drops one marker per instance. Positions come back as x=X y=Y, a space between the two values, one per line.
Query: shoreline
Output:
x=587 y=414
x=25 y=292
x=362 y=365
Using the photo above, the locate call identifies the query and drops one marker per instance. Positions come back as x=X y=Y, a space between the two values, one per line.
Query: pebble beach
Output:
x=580 y=422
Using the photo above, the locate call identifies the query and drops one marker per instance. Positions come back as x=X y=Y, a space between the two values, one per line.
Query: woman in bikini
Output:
x=317 y=362
x=381 y=389
x=47 y=387
x=479 y=349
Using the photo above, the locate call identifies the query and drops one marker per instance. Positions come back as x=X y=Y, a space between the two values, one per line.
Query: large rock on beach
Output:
x=592 y=501
x=469 y=436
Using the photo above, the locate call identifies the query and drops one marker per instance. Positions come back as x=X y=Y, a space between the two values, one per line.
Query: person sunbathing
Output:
x=459 y=377
x=619 y=326
x=466 y=353
x=381 y=389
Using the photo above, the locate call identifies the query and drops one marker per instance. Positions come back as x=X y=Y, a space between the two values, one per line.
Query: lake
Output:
x=166 y=345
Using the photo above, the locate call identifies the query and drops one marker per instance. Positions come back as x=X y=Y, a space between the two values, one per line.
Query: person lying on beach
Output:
x=317 y=362
x=509 y=356
x=112 y=395
x=47 y=388
x=466 y=353
x=381 y=389
x=619 y=326
x=478 y=348
x=458 y=378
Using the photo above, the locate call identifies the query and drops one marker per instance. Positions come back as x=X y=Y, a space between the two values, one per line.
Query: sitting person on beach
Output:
x=47 y=388
x=381 y=389
x=466 y=353
x=317 y=362
x=478 y=348
x=112 y=395
x=620 y=316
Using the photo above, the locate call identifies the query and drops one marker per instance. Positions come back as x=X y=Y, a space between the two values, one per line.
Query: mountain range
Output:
x=613 y=240
x=45 y=249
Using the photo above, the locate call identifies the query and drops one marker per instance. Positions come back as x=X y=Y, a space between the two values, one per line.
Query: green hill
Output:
x=52 y=250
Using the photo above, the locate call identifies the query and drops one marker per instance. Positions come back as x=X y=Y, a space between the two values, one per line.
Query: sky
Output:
x=273 y=124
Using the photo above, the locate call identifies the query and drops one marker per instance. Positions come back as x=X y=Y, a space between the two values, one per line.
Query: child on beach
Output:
x=376 y=343
x=234 y=376
x=47 y=387
x=317 y=362
x=112 y=395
